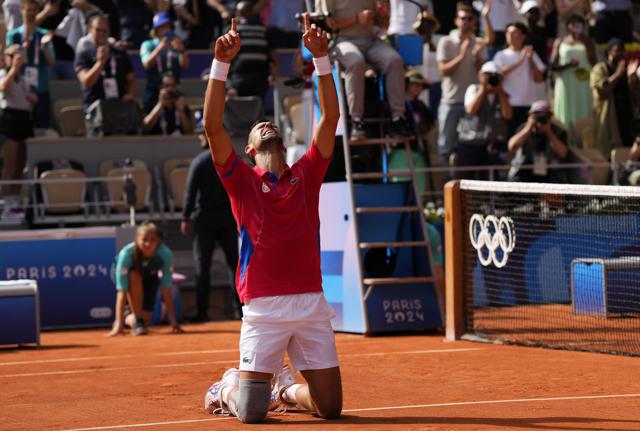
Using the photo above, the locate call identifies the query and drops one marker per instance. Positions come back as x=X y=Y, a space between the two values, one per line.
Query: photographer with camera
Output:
x=539 y=142
x=170 y=115
x=521 y=69
x=483 y=131
x=164 y=53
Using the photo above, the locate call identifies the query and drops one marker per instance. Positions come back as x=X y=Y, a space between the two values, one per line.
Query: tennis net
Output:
x=550 y=265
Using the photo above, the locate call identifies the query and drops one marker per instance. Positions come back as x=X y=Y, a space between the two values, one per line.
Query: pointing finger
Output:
x=234 y=28
x=307 y=21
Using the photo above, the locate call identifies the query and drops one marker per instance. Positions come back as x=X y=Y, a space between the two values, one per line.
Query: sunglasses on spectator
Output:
x=466 y=17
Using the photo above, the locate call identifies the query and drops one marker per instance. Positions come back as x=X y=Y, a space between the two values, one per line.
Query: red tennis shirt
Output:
x=278 y=223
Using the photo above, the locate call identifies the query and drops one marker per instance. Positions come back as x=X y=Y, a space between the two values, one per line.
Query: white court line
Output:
x=47 y=361
x=93 y=370
x=197 y=352
x=413 y=352
x=88 y=358
x=371 y=409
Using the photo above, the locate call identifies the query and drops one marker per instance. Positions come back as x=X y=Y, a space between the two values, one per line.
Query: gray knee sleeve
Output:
x=254 y=399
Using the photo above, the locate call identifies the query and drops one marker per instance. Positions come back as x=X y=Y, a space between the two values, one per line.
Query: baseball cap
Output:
x=528 y=5
x=490 y=67
x=415 y=76
x=541 y=107
x=160 y=19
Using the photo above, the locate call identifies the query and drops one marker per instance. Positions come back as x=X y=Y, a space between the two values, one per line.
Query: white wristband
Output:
x=219 y=70
x=322 y=65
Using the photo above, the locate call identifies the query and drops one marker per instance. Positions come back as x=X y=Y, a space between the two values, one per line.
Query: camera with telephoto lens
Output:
x=494 y=79
x=319 y=19
x=541 y=118
x=174 y=95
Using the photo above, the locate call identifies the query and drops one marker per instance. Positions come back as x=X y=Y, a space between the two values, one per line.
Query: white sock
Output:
x=290 y=393
x=230 y=401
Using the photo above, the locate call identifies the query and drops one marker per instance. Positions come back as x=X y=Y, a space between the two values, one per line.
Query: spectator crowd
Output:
x=501 y=81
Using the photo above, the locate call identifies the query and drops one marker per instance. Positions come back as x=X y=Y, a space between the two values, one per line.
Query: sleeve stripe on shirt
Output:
x=231 y=169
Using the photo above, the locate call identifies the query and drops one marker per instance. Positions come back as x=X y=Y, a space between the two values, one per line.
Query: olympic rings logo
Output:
x=494 y=234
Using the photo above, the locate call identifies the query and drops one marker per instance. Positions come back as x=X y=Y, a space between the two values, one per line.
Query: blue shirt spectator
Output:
x=163 y=53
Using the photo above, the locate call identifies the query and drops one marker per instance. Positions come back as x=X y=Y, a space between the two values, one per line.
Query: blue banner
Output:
x=73 y=275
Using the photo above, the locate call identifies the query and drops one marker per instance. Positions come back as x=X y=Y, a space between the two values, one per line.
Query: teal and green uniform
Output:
x=162 y=259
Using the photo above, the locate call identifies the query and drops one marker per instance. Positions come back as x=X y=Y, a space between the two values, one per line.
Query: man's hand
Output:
x=228 y=45
x=464 y=46
x=315 y=39
x=487 y=8
x=47 y=39
x=32 y=98
x=102 y=54
x=164 y=98
x=477 y=49
x=186 y=227
x=18 y=60
x=528 y=52
x=177 y=44
x=164 y=43
x=180 y=104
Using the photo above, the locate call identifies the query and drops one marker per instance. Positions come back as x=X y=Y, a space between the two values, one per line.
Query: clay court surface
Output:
x=79 y=380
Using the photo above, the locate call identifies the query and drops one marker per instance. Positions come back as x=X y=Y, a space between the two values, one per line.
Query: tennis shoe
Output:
x=213 y=398
x=281 y=382
x=139 y=328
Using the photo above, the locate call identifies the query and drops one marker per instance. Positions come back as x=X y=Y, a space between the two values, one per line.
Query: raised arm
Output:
x=315 y=40
x=227 y=47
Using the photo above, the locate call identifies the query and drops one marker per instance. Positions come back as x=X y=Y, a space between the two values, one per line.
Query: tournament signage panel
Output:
x=72 y=268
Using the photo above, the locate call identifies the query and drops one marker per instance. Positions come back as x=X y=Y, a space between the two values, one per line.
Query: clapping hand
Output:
x=487 y=8
x=228 y=45
x=315 y=39
x=477 y=49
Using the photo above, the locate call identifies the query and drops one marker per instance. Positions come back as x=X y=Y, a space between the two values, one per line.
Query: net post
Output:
x=453 y=241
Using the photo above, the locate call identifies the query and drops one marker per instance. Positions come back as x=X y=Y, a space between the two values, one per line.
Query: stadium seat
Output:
x=171 y=164
x=178 y=186
x=71 y=120
x=142 y=179
x=620 y=155
x=289 y=101
x=63 y=198
x=65 y=102
x=297 y=123
x=597 y=174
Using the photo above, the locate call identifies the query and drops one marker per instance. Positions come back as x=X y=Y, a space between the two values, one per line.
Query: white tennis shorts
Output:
x=297 y=324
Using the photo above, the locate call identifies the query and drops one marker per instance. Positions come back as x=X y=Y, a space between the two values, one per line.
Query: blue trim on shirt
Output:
x=246 y=251
x=233 y=167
